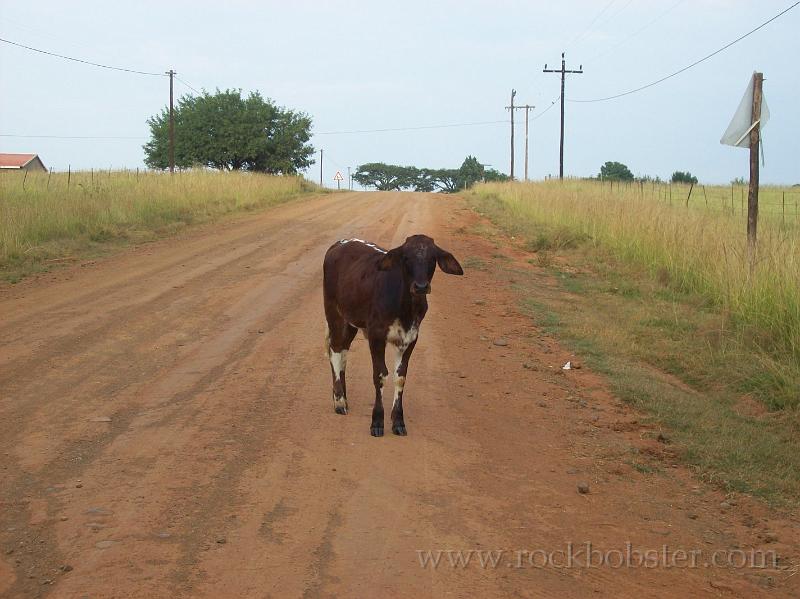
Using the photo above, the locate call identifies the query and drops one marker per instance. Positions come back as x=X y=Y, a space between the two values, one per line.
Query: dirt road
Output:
x=166 y=430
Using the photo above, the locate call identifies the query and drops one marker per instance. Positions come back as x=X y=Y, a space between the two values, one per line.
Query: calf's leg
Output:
x=340 y=336
x=377 y=348
x=400 y=371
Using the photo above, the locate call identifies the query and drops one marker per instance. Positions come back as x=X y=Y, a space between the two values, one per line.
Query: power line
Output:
x=504 y=122
x=553 y=103
x=186 y=83
x=589 y=26
x=638 y=31
x=356 y=131
x=14 y=135
x=694 y=64
x=94 y=64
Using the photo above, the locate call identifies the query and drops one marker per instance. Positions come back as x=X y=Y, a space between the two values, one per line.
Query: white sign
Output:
x=338 y=176
x=738 y=132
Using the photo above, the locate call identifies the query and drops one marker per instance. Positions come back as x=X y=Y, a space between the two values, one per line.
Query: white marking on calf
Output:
x=401 y=339
x=366 y=243
x=398 y=336
x=382 y=378
x=339 y=363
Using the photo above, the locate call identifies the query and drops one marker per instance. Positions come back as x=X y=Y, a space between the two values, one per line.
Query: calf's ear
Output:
x=447 y=262
x=390 y=259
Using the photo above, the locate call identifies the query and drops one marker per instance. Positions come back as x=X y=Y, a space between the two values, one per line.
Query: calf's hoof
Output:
x=340 y=405
x=376 y=431
x=399 y=429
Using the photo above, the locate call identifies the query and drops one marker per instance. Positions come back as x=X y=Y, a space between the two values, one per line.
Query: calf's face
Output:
x=417 y=258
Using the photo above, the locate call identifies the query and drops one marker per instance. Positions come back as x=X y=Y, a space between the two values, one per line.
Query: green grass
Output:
x=713 y=379
x=49 y=219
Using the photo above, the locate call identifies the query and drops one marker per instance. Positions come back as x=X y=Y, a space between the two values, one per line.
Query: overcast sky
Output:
x=355 y=65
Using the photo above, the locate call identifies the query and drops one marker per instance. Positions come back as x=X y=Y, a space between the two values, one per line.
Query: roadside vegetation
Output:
x=392 y=177
x=47 y=219
x=661 y=298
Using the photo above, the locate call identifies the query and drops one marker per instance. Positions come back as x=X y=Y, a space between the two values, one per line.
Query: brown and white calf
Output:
x=382 y=293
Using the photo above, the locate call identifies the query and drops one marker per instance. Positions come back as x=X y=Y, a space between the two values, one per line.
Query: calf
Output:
x=383 y=293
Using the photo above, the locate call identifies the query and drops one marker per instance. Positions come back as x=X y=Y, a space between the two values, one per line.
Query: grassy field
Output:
x=47 y=219
x=661 y=298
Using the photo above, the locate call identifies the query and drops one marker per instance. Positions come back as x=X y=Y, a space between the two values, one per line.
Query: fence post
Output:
x=691 y=187
x=732 y=198
x=69 y=175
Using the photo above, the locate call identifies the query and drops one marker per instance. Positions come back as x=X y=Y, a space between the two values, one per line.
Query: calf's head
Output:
x=417 y=259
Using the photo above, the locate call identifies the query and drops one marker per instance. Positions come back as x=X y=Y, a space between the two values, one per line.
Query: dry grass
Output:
x=47 y=218
x=724 y=404
x=695 y=250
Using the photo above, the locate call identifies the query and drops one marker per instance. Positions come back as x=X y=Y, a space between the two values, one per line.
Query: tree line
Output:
x=392 y=177
x=616 y=171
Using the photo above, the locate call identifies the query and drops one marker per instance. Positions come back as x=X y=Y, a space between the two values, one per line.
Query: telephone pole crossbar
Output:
x=563 y=70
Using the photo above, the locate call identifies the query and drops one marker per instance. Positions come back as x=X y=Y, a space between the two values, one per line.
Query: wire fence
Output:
x=778 y=204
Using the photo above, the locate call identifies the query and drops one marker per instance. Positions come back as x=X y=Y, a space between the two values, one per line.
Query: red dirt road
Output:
x=166 y=430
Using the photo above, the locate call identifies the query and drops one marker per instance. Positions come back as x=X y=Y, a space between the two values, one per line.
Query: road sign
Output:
x=338 y=176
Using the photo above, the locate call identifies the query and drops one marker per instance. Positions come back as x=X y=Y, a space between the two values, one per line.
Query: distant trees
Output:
x=615 y=171
x=681 y=177
x=227 y=131
x=391 y=177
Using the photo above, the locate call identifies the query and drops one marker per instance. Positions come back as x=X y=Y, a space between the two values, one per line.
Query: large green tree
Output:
x=615 y=171
x=228 y=131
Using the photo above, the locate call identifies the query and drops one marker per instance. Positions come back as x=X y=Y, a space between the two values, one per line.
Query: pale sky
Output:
x=355 y=65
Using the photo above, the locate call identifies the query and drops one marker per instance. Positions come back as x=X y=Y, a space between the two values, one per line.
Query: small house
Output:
x=22 y=162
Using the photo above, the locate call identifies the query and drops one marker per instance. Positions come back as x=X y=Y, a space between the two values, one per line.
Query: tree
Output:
x=493 y=175
x=390 y=177
x=615 y=171
x=471 y=171
x=386 y=177
x=229 y=132
x=681 y=177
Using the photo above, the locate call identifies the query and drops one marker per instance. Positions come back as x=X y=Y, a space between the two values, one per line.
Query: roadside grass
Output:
x=697 y=253
x=726 y=398
x=47 y=219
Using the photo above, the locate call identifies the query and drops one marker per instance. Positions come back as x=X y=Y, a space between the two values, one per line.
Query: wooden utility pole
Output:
x=320 y=167
x=563 y=70
x=527 y=108
x=171 y=74
x=511 y=108
x=755 y=136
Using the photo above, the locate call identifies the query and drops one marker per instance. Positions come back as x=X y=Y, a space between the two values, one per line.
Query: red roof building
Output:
x=22 y=162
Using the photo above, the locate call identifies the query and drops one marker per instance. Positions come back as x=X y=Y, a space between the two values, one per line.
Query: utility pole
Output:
x=349 y=180
x=511 y=108
x=527 y=108
x=320 y=168
x=755 y=136
x=563 y=70
x=171 y=74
